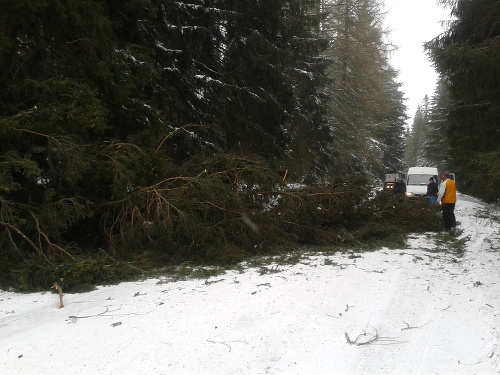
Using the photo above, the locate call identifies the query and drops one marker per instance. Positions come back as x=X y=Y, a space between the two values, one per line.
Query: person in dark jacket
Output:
x=399 y=187
x=432 y=191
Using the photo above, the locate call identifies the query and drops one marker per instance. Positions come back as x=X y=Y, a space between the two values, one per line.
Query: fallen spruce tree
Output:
x=208 y=211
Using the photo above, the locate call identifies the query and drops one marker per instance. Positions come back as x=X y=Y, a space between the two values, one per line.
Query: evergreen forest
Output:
x=458 y=128
x=142 y=133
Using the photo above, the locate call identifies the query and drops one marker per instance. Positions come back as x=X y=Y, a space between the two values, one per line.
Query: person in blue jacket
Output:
x=432 y=191
x=399 y=187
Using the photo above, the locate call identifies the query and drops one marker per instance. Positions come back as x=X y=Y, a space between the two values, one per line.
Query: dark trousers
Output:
x=449 y=216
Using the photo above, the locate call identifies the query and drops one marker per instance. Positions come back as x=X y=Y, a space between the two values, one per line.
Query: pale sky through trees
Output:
x=413 y=23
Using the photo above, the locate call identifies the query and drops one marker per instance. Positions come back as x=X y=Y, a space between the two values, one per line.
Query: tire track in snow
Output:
x=429 y=341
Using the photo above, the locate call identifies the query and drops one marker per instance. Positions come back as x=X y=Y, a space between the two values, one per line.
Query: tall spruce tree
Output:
x=436 y=147
x=308 y=151
x=390 y=131
x=467 y=55
x=417 y=137
x=414 y=138
x=56 y=58
x=366 y=107
x=273 y=72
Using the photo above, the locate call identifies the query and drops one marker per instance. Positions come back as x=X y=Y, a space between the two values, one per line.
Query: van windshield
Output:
x=419 y=179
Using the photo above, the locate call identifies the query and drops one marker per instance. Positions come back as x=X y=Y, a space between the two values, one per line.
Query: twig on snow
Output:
x=363 y=339
x=74 y=317
x=226 y=343
x=470 y=364
x=367 y=338
x=410 y=327
x=333 y=316
x=88 y=316
x=220 y=342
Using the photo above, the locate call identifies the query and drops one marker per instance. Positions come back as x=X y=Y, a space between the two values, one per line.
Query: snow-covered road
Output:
x=432 y=307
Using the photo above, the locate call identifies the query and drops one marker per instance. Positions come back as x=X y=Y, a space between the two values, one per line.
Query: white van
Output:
x=417 y=179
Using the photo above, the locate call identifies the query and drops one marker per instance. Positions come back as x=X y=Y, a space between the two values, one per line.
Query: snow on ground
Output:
x=427 y=308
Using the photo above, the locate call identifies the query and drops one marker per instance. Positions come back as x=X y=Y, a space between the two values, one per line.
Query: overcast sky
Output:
x=413 y=23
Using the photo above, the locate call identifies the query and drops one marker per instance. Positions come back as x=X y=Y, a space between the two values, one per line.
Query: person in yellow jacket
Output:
x=447 y=197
